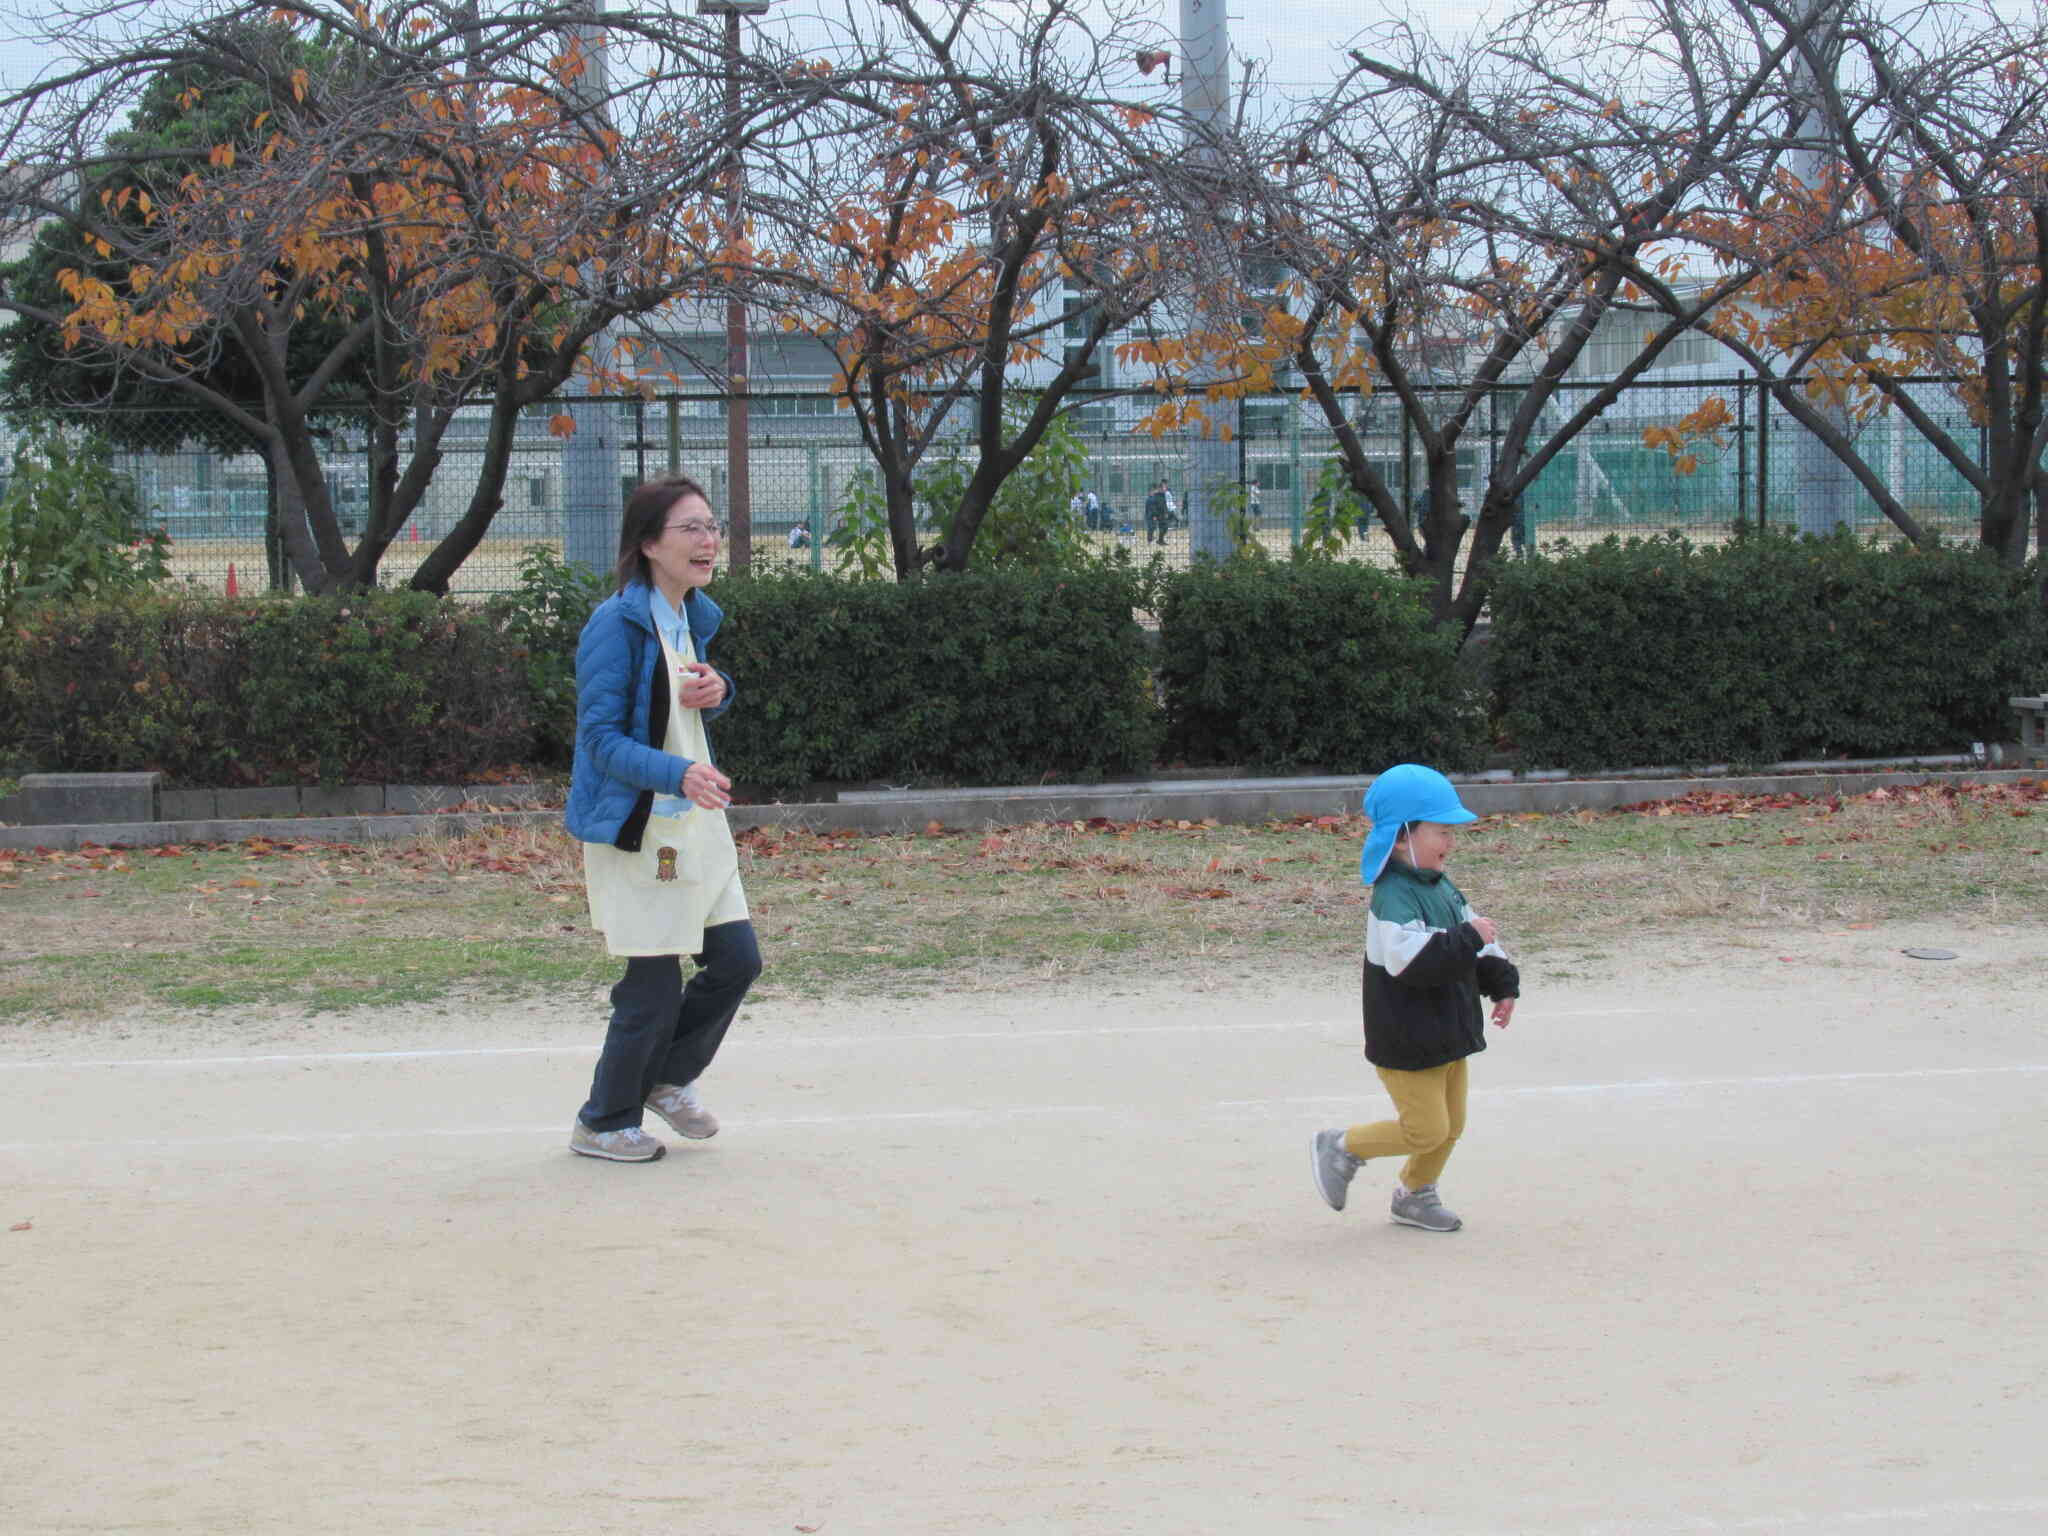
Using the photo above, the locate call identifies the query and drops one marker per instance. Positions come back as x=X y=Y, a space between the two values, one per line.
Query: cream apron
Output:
x=686 y=876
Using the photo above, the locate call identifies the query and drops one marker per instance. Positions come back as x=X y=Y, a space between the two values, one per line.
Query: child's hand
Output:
x=1503 y=1011
x=1483 y=926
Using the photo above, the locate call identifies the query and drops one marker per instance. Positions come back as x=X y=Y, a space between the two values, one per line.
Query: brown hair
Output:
x=646 y=514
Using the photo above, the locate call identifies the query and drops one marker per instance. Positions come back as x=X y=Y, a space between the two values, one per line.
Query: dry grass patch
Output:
x=501 y=910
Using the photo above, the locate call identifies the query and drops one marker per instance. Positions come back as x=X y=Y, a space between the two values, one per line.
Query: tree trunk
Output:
x=296 y=519
x=274 y=556
x=485 y=502
x=2003 y=521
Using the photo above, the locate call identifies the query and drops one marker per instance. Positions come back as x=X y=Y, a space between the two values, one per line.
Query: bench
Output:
x=90 y=798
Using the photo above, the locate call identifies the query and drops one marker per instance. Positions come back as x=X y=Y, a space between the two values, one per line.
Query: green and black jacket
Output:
x=1425 y=968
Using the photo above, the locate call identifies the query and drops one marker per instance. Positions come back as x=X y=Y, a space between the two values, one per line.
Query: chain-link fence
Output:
x=806 y=460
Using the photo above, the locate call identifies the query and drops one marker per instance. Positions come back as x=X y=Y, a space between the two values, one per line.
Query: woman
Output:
x=649 y=808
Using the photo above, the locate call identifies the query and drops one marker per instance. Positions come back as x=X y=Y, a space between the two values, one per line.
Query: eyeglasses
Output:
x=697 y=530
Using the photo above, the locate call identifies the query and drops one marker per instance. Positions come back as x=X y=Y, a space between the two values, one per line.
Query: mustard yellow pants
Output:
x=1431 y=1107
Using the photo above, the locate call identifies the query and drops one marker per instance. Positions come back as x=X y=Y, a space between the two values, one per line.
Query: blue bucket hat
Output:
x=1405 y=793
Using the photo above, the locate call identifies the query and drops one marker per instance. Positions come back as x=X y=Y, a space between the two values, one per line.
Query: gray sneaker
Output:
x=631 y=1145
x=1332 y=1167
x=1421 y=1208
x=679 y=1107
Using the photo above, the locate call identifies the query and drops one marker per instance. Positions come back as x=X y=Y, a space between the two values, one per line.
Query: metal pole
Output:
x=816 y=510
x=1763 y=458
x=1294 y=474
x=1741 y=448
x=1407 y=464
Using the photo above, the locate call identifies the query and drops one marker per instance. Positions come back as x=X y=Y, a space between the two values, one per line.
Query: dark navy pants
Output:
x=665 y=1032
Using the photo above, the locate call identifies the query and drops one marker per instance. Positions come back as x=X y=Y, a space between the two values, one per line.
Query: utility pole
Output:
x=1211 y=457
x=592 y=497
x=739 y=490
x=1824 y=489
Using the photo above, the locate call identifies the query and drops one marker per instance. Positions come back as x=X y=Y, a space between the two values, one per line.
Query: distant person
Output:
x=1091 y=512
x=647 y=804
x=1428 y=959
x=799 y=536
x=1159 y=511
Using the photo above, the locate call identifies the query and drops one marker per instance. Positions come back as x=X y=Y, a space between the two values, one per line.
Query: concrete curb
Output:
x=1224 y=800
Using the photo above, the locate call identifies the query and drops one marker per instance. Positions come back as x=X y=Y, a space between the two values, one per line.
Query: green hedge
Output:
x=971 y=678
x=1313 y=664
x=1769 y=649
x=385 y=687
x=1617 y=656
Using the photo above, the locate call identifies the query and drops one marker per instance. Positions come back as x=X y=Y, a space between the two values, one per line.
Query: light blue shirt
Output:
x=675 y=632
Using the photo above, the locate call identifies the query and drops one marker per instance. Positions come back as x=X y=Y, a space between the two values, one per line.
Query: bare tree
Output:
x=989 y=213
x=459 y=194
x=1459 y=221
x=1917 y=247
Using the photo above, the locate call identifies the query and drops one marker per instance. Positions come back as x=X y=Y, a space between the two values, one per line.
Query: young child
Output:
x=1428 y=957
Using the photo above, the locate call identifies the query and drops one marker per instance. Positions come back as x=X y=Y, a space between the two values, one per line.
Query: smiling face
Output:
x=685 y=553
x=1427 y=844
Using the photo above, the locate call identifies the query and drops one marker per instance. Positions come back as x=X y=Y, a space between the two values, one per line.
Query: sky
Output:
x=1296 y=45
x=1297 y=42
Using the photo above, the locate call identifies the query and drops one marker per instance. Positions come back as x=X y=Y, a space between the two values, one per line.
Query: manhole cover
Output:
x=1930 y=954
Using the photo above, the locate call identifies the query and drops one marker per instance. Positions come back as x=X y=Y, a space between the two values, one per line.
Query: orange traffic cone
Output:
x=233 y=590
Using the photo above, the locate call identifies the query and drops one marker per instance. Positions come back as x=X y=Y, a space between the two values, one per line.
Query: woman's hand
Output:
x=706 y=787
x=700 y=687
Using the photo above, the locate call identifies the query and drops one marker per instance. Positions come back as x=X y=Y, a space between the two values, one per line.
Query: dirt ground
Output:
x=1753 y=1243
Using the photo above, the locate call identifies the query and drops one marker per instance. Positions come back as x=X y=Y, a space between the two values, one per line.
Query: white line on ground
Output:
x=1938 y=1517
x=1682 y=1084
x=589 y=1047
x=765 y=1122
x=965 y=1115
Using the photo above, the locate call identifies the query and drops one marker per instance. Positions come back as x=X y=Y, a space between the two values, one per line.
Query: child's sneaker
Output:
x=1421 y=1208
x=630 y=1145
x=1332 y=1167
x=679 y=1107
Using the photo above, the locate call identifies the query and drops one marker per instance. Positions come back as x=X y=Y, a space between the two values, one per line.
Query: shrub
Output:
x=1310 y=664
x=977 y=677
x=379 y=687
x=543 y=619
x=1773 y=647
x=70 y=526
x=1030 y=521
